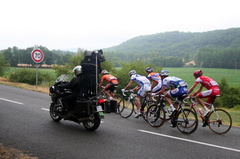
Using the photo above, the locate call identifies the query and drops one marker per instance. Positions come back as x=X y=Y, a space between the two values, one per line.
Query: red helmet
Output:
x=197 y=73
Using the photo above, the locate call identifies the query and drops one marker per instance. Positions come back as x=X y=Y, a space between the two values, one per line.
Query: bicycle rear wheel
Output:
x=155 y=115
x=125 y=107
x=187 y=121
x=219 y=121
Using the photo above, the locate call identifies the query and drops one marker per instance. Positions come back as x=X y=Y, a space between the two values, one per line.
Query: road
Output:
x=25 y=124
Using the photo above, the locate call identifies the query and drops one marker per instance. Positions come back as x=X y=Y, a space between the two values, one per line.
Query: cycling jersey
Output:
x=179 y=85
x=109 y=78
x=206 y=82
x=140 y=80
x=156 y=78
x=211 y=85
x=174 y=82
x=143 y=82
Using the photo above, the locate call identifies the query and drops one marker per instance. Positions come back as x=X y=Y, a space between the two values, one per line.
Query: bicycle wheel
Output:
x=219 y=121
x=125 y=107
x=155 y=115
x=187 y=121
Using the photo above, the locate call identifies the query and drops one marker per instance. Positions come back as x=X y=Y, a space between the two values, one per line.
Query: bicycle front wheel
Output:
x=125 y=107
x=155 y=115
x=187 y=121
x=219 y=121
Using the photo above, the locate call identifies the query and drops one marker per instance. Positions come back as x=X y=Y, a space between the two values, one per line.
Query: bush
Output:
x=29 y=76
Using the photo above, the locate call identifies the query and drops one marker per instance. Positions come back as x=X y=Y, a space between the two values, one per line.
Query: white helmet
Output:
x=104 y=72
x=77 y=70
x=132 y=72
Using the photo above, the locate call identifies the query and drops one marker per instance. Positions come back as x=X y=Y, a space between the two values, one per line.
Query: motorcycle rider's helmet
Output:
x=104 y=72
x=164 y=73
x=197 y=73
x=132 y=72
x=149 y=69
x=77 y=70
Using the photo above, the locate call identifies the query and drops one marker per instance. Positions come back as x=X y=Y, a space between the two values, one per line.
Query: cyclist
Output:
x=156 y=80
x=178 y=88
x=111 y=86
x=143 y=86
x=211 y=86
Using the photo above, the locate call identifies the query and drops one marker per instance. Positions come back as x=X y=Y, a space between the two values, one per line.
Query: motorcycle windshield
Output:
x=64 y=77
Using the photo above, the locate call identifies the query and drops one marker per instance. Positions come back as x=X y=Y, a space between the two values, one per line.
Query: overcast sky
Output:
x=97 y=24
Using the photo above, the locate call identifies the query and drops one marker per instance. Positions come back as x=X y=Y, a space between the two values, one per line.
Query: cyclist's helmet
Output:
x=77 y=70
x=104 y=72
x=164 y=73
x=132 y=72
x=197 y=73
x=149 y=69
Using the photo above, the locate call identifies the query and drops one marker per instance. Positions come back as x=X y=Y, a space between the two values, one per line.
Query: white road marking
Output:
x=45 y=109
x=11 y=101
x=187 y=140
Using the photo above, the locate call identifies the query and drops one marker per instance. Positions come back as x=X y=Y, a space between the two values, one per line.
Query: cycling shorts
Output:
x=210 y=94
x=178 y=92
x=144 y=89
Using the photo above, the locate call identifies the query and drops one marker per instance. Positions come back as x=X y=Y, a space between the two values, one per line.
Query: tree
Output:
x=3 y=64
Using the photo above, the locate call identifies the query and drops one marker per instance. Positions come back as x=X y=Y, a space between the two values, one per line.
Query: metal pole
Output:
x=36 y=75
x=96 y=73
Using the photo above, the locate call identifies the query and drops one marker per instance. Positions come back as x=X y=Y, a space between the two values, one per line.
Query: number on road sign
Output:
x=37 y=55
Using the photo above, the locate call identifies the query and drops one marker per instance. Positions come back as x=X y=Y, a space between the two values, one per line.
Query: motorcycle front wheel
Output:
x=93 y=123
x=53 y=114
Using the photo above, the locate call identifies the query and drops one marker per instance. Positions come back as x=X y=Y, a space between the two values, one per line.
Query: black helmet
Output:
x=149 y=69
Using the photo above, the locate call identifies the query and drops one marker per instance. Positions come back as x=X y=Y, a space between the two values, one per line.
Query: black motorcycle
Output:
x=89 y=112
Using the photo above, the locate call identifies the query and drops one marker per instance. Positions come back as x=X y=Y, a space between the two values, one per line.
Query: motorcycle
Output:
x=89 y=112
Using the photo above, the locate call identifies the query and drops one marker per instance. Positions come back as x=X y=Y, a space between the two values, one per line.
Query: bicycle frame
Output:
x=218 y=120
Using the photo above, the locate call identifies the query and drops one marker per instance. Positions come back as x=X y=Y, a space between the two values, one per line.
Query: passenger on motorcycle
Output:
x=111 y=86
x=76 y=86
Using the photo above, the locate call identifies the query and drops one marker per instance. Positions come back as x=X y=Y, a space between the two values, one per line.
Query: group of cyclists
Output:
x=161 y=83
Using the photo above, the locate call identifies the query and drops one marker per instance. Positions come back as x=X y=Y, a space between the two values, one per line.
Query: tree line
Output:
x=218 y=58
x=16 y=56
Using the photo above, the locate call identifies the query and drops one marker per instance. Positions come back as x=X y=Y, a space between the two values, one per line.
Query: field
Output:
x=232 y=76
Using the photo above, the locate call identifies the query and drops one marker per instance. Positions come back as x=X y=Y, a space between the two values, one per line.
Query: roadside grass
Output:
x=7 y=152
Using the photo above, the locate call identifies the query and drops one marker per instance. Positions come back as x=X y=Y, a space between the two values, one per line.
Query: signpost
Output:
x=37 y=56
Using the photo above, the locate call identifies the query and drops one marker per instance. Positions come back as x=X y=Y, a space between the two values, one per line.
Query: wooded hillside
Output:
x=176 y=44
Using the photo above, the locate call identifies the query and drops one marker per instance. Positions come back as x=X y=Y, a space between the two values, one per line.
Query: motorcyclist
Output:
x=75 y=85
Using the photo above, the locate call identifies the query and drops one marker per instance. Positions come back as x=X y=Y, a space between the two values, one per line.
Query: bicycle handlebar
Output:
x=131 y=91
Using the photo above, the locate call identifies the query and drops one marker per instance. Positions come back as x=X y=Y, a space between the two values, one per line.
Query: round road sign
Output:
x=37 y=55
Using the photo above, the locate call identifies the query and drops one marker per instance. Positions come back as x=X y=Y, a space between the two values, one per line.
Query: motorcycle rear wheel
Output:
x=93 y=124
x=55 y=117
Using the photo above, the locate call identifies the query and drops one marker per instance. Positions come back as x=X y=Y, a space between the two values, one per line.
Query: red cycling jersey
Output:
x=211 y=85
x=207 y=82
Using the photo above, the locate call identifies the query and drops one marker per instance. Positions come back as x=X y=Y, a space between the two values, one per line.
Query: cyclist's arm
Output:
x=192 y=88
x=198 y=91
x=129 y=85
x=162 y=90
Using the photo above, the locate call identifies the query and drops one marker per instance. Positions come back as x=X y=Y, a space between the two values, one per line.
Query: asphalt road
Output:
x=25 y=124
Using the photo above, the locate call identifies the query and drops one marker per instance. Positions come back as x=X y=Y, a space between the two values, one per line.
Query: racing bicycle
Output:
x=218 y=120
x=127 y=104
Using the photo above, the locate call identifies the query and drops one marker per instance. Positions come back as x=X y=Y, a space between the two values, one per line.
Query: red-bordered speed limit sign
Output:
x=37 y=55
